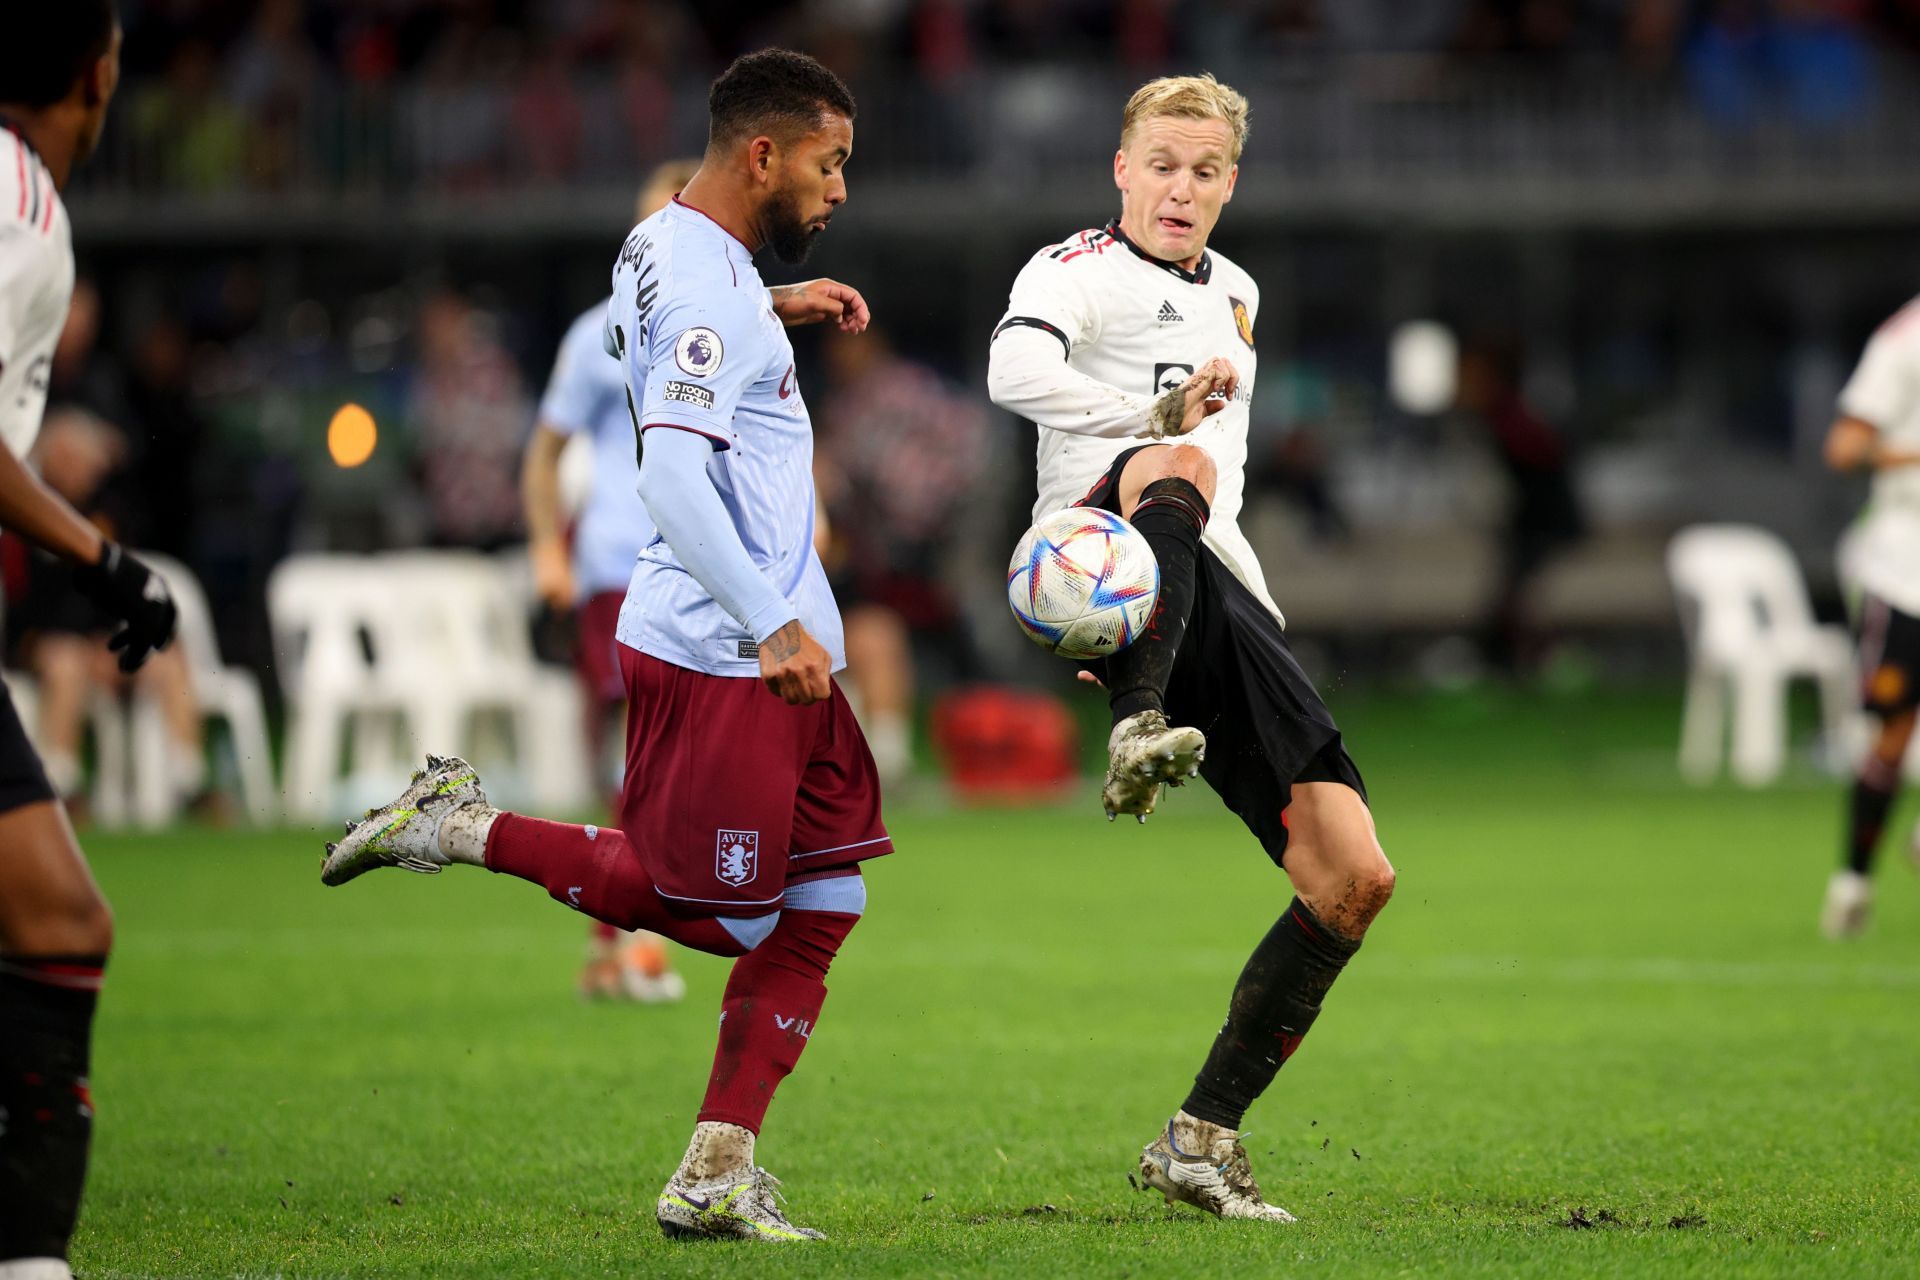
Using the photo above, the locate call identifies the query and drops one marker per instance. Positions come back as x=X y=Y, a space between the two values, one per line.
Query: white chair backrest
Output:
x=195 y=635
x=1737 y=585
x=318 y=607
x=399 y=620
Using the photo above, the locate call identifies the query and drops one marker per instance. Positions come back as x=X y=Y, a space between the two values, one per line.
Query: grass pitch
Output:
x=1596 y=1033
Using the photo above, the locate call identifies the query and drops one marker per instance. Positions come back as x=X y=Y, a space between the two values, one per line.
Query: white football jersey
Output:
x=1095 y=330
x=36 y=284
x=1882 y=551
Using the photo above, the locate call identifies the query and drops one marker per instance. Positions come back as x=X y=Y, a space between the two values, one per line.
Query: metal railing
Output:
x=1411 y=138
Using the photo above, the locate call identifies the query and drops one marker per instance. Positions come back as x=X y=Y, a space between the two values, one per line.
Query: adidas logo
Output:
x=1169 y=316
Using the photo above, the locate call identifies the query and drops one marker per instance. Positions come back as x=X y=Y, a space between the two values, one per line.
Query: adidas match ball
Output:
x=1082 y=583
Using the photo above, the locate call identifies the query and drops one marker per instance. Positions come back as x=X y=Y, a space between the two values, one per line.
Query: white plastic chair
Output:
x=221 y=692
x=469 y=622
x=1750 y=630
x=415 y=649
x=321 y=609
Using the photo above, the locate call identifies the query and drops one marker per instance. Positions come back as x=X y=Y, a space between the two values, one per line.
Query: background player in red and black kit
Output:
x=59 y=64
x=751 y=798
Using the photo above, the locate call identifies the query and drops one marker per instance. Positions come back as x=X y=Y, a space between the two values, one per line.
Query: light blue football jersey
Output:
x=703 y=351
x=587 y=395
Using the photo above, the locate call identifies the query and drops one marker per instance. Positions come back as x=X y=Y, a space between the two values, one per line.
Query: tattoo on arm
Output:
x=784 y=293
x=784 y=643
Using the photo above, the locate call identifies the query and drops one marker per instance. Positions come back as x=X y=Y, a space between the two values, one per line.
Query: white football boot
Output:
x=403 y=833
x=1849 y=903
x=1143 y=751
x=739 y=1206
x=1217 y=1180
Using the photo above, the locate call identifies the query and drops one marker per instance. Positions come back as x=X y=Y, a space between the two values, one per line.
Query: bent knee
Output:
x=1185 y=462
x=1357 y=894
x=1191 y=463
x=1375 y=887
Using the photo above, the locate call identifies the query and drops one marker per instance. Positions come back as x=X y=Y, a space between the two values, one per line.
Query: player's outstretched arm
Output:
x=684 y=504
x=1028 y=374
x=812 y=301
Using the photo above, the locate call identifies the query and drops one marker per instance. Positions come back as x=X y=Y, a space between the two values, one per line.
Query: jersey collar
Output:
x=1201 y=273
x=20 y=136
x=694 y=208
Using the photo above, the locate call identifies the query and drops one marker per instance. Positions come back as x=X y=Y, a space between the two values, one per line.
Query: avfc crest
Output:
x=1242 y=321
x=736 y=856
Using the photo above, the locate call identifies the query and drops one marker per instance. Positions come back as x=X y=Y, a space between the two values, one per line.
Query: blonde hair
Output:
x=1198 y=97
x=663 y=184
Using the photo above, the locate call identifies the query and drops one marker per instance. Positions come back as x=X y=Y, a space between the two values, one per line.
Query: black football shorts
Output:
x=1889 y=658
x=1237 y=681
x=23 y=779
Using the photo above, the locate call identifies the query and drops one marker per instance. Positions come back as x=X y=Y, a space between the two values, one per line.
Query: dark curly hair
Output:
x=47 y=45
x=777 y=92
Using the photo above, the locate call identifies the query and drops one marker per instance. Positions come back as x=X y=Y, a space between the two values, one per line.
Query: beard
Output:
x=790 y=233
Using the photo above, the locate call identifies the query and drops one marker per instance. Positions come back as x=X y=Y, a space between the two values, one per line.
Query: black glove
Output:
x=133 y=595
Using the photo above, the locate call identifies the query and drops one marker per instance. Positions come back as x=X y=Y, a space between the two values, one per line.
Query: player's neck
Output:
x=725 y=208
x=1137 y=236
x=43 y=133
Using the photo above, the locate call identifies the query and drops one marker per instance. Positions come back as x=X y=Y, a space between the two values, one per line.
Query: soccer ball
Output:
x=1082 y=583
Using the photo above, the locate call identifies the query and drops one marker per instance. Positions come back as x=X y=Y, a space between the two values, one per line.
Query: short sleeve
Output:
x=23 y=389
x=696 y=362
x=1049 y=297
x=17 y=289
x=581 y=371
x=1881 y=391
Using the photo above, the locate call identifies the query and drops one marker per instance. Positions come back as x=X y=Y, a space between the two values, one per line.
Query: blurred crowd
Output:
x=261 y=48
x=258 y=93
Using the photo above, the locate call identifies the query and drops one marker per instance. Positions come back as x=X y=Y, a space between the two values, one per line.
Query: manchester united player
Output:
x=1131 y=349
x=750 y=796
x=59 y=64
x=1878 y=430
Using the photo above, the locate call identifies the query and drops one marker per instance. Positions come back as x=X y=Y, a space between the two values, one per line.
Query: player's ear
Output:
x=103 y=77
x=763 y=156
x=1233 y=178
x=96 y=86
x=1120 y=170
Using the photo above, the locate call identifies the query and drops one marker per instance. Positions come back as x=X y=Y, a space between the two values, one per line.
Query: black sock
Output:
x=1171 y=515
x=1275 y=1001
x=1873 y=793
x=46 y=1114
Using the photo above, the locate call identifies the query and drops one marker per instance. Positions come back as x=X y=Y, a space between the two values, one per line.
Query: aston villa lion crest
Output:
x=736 y=856
x=1242 y=321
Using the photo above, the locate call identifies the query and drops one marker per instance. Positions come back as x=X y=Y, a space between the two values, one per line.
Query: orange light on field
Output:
x=351 y=436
